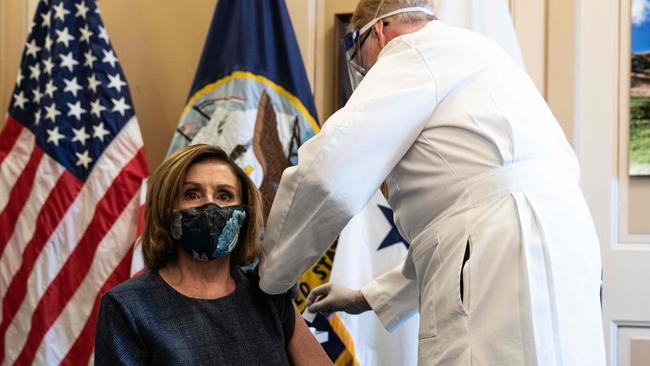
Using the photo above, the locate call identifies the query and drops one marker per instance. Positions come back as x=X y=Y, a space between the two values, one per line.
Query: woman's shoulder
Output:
x=139 y=286
x=249 y=277
x=250 y=280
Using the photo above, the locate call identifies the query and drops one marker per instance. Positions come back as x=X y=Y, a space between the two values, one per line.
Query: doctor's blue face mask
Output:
x=209 y=231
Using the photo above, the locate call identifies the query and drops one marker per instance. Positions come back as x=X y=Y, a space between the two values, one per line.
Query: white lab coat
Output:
x=474 y=160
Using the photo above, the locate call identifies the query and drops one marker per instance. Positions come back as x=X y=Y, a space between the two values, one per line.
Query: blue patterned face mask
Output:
x=207 y=232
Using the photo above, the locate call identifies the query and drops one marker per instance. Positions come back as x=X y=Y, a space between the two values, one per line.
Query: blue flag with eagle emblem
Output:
x=250 y=49
x=251 y=97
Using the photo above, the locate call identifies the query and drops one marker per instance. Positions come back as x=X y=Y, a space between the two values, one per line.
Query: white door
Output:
x=601 y=141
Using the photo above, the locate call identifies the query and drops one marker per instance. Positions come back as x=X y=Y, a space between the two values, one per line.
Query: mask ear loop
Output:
x=363 y=38
x=374 y=17
x=357 y=48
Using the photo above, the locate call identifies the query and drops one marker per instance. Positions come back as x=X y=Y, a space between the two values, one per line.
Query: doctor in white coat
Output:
x=504 y=263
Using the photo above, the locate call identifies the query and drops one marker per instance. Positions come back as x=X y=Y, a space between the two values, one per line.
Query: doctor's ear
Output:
x=379 y=33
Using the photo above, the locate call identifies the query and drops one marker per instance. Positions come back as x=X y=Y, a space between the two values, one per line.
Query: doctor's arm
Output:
x=391 y=296
x=341 y=168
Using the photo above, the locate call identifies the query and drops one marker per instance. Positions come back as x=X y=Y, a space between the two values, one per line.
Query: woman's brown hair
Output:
x=158 y=247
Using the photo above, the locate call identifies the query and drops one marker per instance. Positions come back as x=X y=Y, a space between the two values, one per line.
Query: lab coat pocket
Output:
x=464 y=278
x=427 y=263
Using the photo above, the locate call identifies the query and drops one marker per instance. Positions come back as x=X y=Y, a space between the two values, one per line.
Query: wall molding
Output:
x=619 y=327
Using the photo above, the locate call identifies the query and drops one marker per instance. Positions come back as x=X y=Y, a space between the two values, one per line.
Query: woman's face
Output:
x=209 y=181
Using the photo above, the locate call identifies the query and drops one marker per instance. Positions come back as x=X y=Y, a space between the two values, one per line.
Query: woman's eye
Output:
x=225 y=196
x=191 y=195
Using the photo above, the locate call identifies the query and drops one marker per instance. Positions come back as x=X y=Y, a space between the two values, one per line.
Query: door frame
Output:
x=600 y=141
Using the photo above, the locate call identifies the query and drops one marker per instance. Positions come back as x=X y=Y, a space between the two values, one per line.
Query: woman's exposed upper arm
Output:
x=303 y=347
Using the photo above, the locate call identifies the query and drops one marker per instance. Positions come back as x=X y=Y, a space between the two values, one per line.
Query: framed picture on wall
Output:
x=639 y=154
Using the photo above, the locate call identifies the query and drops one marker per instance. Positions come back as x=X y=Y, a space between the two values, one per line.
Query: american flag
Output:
x=72 y=177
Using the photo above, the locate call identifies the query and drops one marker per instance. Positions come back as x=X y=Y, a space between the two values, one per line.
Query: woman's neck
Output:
x=200 y=280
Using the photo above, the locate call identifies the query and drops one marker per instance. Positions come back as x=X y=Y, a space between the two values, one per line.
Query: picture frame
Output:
x=639 y=93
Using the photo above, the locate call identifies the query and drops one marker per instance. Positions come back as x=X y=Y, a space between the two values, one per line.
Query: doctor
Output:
x=504 y=261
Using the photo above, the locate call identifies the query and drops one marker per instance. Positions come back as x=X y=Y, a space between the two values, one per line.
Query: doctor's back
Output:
x=485 y=113
x=503 y=246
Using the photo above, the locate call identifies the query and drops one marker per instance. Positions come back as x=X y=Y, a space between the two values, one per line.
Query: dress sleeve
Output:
x=281 y=303
x=287 y=315
x=116 y=337
x=341 y=168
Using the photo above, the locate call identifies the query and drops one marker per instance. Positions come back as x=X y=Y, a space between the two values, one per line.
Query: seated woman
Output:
x=194 y=305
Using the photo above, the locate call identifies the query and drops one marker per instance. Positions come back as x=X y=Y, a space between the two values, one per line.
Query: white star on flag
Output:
x=46 y=20
x=83 y=159
x=64 y=37
x=120 y=106
x=19 y=100
x=32 y=48
x=37 y=117
x=80 y=135
x=102 y=33
x=48 y=42
x=86 y=33
x=54 y=136
x=60 y=11
x=48 y=65
x=37 y=95
x=93 y=83
x=50 y=88
x=34 y=71
x=116 y=82
x=109 y=57
x=97 y=108
x=75 y=110
x=72 y=86
x=51 y=112
x=99 y=131
x=90 y=59
x=82 y=9
x=19 y=78
x=68 y=61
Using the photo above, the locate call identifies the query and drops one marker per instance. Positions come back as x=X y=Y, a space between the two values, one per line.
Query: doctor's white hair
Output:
x=367 y=10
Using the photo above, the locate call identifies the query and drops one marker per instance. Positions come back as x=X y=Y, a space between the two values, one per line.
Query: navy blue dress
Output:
x=144 y=321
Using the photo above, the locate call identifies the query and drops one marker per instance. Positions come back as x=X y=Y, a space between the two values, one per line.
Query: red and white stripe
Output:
x=68 y=242
x=14 y=162
x=109 y=254
x=137 y=263
x=47 y=174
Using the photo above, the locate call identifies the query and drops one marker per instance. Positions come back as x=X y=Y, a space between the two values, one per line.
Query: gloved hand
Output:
x=331 y=297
